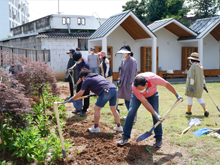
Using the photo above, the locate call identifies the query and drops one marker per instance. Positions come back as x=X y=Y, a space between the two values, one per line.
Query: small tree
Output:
x=12 y=100
x=35 y=77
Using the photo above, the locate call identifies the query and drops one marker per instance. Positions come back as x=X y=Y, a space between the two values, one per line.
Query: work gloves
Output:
x=106 y=74
x=191 y=88
x=118 y=82
x=191 y=85
x=204 y=87
x=75 y=86
x=179 y=97
x=158 y=117
x=70 y=100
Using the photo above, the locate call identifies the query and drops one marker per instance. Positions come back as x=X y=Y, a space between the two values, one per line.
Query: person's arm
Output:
x=79 y=94
x=147 y=105
x=108 y=66
x=172 y=89
x=79 y=81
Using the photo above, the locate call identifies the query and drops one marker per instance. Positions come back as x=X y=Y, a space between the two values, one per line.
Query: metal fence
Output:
x=7 y=52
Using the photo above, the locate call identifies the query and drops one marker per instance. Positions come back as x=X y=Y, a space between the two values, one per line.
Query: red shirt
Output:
x=153 y=80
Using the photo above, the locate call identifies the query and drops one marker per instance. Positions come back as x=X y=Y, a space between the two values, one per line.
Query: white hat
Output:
x=123 y=50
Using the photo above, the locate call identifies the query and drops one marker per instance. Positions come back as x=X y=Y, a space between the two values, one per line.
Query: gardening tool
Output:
x=192 y=122
x=60 y=132
x=147 y=134
x=204 y=130
x=80 y=98
x=211 y=98
x=58 y=121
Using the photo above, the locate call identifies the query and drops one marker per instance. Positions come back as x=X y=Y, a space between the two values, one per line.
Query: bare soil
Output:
x=101 y=148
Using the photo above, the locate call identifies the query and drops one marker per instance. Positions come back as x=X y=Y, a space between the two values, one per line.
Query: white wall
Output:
x=169 y=50
x=58 y=49
x=117 y=39
x=4 y=19
x=210 y=53
x=91 y=22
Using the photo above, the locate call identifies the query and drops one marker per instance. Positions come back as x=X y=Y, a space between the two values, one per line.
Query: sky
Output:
x=97 y=8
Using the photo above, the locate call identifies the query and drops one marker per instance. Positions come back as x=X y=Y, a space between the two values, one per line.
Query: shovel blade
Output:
x=144 y=136
x=201 y=131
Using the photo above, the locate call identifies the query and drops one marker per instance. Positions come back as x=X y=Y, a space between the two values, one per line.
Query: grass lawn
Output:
x=204 y=149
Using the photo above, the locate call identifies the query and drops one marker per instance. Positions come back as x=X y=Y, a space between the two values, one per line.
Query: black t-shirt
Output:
x=96 y=83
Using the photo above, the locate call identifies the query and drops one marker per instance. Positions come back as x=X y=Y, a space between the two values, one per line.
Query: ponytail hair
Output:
x=129 y=49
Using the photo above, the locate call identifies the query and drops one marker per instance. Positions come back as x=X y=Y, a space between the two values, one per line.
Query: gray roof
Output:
x=201 y=26
x=108 y=25
x=158 y=24
x=20 y=36
x=64 y=35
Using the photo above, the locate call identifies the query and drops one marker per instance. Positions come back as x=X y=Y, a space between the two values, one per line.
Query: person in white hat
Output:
x=195 y=83
x=128 y=72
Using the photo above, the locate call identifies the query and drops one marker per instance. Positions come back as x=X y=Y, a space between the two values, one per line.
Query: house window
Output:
x=79 y=21
x=83 y=44
x=68 y=20
x=83 y=21
x=63 y=20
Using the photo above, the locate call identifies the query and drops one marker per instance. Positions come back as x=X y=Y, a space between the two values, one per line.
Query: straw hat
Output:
x=194 y=56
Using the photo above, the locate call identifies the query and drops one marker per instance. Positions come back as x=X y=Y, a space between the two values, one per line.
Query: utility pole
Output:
x=58 y=6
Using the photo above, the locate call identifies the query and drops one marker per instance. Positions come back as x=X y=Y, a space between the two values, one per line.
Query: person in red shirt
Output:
x=145 y=92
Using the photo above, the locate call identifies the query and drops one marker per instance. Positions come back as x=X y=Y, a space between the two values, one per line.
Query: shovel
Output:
x=58 y=122
x=192 y=122
x=147 y=134
x=204 y=130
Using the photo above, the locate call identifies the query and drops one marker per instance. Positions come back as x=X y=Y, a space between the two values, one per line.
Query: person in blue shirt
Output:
x=81 y=63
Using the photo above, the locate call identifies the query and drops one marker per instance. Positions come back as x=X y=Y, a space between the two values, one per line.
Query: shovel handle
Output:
x=174 y=105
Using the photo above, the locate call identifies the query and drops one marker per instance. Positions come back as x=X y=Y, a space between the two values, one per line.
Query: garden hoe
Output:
x=148 y=134
x=58 y=121
x=211 y=98
x=192 y=122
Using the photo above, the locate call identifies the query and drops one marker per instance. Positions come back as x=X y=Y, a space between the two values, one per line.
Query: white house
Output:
x=123 y=29
x=161 y=46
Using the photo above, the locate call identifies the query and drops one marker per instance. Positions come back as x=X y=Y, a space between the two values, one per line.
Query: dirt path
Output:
x=101 y=148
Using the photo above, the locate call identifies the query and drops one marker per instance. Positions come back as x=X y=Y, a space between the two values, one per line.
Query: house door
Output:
x=186 y=52
x=146 y=59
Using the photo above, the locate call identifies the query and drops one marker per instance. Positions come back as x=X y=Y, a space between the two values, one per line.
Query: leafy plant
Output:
x=42 y=125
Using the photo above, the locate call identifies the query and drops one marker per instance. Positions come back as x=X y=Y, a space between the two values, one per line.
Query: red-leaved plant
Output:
x=35 y=77
x=12 y=94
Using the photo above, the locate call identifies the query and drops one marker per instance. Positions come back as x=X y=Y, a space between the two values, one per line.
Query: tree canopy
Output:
x=152 y=10
x=204 y=8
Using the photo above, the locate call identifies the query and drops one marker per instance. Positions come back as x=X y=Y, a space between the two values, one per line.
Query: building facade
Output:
x=13 y=13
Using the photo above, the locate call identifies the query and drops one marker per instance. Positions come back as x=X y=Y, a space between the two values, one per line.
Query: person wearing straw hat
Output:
x=105 y=66
x=195 y=83
x=128 y=72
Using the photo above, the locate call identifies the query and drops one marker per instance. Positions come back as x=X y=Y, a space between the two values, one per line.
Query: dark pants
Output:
x=133 y=107
x=86 y=100
x=71 y=88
